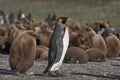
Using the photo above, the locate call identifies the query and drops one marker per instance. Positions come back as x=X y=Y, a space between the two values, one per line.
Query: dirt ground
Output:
x=108 y=70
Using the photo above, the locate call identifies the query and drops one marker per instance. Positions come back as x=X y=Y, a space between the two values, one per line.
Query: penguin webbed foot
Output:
x=59 y=74
x=55 y=74
x=44 y=74
x=52 y=74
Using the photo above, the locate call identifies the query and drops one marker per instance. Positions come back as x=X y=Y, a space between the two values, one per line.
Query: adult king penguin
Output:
x=57 y=47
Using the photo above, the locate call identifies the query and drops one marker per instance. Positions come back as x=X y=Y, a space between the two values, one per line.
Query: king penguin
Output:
x=57 y=47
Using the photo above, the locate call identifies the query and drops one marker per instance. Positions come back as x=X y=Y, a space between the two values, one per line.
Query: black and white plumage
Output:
x=58 y=45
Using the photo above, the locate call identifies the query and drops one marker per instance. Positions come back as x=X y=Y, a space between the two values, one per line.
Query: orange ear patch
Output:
x=60 y=20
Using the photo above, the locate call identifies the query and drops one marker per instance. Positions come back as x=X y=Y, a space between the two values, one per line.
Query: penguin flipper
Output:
x=54 y=41
x=52 y=54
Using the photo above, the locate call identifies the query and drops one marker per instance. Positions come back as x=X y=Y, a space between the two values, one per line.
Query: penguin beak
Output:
x=68 y=19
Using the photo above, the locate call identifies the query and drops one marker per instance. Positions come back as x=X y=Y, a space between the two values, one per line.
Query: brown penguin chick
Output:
x=23 y=51
x=95 y=55
x=89 y=33
x=46 y=34
x=26 y=23
x=41 y=53
x=94 y=40
x=76 y=55
x=75 y=26
x=97 y=41
x=12 y=33
x=87 y=36
x=2 y=31
x=2 y=42
x=74 y=39
x=19 y=26
x=113 y=46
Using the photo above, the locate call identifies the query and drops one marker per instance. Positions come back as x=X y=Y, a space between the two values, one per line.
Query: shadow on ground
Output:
x=7 y=72
x=115 y=65
x=99 y=76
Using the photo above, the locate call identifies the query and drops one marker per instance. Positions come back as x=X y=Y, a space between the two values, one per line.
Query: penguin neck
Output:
x=64 y=26
x=60 y=23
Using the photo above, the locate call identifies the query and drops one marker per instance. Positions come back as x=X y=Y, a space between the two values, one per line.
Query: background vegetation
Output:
x=79 y=10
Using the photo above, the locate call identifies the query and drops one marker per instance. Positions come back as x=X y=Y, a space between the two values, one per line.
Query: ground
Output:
x=108 y=70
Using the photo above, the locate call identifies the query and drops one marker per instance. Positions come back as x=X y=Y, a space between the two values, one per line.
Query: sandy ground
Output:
x=109 y=70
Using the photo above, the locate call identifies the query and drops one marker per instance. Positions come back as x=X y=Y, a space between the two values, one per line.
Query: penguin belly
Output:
x=65 y=46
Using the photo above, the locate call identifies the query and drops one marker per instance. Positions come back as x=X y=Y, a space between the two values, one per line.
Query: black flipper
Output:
x=55 y=41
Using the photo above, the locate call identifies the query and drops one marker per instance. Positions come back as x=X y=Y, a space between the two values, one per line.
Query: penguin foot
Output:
x=59 y=74
x=44 y=74
x=52 y=74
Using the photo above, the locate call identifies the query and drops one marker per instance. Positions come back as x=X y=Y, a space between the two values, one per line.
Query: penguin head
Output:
x=63 y=20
